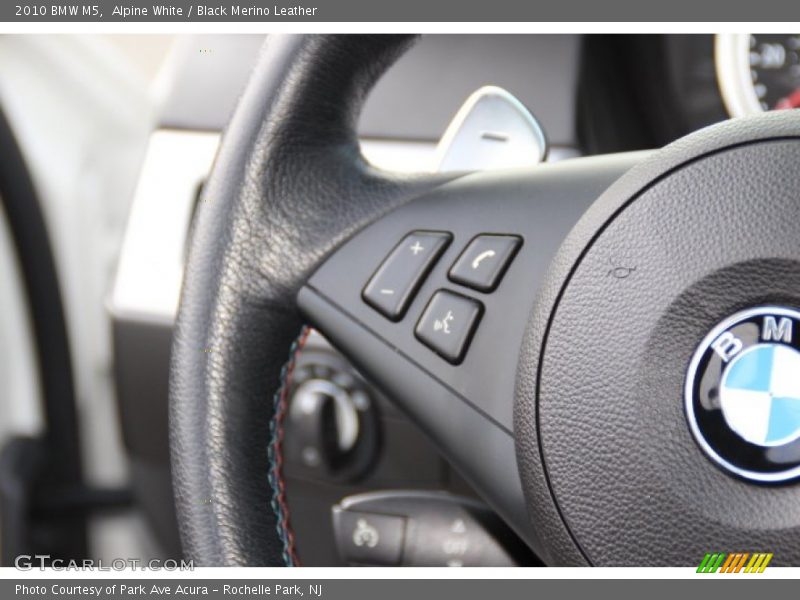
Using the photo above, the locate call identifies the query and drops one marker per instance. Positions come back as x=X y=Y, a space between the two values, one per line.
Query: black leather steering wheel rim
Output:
x=287 y=186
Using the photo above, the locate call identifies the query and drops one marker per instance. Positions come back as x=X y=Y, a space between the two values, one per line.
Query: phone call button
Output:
x=484 y=261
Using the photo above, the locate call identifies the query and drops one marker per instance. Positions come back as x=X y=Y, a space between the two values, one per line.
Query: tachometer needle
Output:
x=790 y=101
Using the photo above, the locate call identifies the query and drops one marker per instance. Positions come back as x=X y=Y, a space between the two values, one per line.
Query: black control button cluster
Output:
x=449 y=320
x=484 y=261
x=393 y=286
x=423 y=529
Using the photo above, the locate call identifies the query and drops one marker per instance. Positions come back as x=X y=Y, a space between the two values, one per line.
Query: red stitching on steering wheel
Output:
x=279 y=484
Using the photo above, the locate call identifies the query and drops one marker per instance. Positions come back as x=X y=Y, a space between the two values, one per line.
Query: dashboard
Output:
x=644 y=91
x=592 y=94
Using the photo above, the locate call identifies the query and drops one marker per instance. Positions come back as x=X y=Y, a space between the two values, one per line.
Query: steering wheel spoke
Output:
x=431 y=302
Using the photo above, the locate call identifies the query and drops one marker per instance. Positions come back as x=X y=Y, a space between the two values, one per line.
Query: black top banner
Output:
x=398 y=11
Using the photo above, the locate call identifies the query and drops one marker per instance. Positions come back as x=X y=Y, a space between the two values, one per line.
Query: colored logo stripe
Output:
x=711 y=562
x=734 y=562
x=758 y=563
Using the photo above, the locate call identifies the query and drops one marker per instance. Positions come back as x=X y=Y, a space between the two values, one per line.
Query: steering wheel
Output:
x=580 y=375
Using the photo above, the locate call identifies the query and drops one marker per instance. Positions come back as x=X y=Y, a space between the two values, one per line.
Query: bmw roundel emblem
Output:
x=743 y=394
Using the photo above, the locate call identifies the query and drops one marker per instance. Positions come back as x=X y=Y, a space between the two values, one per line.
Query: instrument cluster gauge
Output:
x=758 y=72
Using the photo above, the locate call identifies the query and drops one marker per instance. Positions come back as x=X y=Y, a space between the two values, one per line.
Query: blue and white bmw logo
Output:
x=743 y=394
